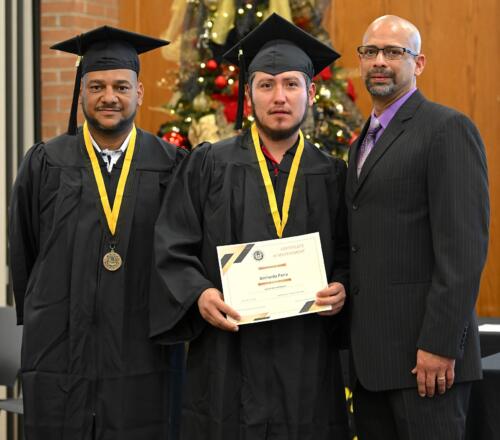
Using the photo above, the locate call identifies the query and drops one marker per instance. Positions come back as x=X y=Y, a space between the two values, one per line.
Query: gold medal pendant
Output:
x=112 y=261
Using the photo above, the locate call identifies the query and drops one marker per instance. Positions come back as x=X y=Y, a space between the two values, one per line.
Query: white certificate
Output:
x=273 y=279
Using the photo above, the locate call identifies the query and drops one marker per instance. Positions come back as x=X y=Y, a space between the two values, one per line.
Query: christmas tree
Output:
x=204 y=100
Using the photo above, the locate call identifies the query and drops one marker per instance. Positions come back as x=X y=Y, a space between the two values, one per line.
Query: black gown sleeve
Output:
x=340 y=331
x=24 y=236
x=179 y=276
x=180 y=155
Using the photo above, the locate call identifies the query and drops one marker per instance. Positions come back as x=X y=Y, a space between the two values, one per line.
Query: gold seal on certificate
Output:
x=273 y=279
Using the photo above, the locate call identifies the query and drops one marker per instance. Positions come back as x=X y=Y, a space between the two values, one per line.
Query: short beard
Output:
x=279 y=135
x=121 y=127
x=380 y=90
x=387 y=90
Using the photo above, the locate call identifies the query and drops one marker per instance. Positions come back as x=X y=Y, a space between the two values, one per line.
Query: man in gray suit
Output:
x=417 y=194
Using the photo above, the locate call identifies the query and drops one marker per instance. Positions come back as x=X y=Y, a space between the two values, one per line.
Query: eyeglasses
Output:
x=390 y=52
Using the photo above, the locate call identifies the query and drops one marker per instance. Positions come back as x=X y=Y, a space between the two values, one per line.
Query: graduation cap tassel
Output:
x=241 y=90
x=72 y=124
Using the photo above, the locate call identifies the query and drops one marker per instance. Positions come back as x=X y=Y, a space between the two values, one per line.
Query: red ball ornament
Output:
x=220 y=81
x=175 y=138
x=211 y=65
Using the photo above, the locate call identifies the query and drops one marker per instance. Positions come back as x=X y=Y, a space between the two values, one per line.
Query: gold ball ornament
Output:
x=201 y=102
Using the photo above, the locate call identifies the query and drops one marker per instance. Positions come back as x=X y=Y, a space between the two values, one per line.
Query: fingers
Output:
x=441 y=382
x=430 y=384
x=421 y=382
x=434 y=373
x=218 y=320
x=450 y=377
x=334 y=296
x=212 y=307
x=229 y=311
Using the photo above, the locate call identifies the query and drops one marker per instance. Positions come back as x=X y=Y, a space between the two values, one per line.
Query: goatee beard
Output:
x=282 y=134
x=121 y=127
x=382 y=89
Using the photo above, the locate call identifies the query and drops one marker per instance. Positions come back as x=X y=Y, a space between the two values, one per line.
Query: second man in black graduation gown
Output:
x=89 y=370
x=272 y=380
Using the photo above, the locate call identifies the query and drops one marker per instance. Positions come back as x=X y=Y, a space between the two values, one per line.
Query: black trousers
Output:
x=404 y=415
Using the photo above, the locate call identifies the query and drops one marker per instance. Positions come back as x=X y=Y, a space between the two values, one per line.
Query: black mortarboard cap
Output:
x=105 y=48
x=277 y=46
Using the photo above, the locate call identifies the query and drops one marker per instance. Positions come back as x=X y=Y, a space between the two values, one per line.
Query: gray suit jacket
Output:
x=418 y=219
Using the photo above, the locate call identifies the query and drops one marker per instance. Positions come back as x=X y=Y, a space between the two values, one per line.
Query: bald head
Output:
x=395 y=27
x=388 y=75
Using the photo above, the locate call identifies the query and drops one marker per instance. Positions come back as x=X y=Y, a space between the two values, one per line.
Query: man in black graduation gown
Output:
x=81 y=239
x=279 y=379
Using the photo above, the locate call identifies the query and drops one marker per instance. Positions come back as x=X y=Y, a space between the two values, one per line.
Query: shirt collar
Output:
x=386 y=117
x=118 y=151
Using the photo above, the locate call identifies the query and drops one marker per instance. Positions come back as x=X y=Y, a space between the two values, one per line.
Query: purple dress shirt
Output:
x=386 y=117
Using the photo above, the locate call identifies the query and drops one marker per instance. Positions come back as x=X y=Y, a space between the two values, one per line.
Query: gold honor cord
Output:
x=271 y=196
x=112 y=261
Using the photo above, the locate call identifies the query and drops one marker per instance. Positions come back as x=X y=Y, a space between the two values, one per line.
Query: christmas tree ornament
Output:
x=175 y=138
x=211 y=65
x=203 y=130
x=220 y=81
x=201 y=102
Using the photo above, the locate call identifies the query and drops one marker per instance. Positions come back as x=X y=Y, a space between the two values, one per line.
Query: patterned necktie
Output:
x=368 y=142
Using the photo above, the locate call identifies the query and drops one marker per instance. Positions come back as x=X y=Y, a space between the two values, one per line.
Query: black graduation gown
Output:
x=89 y=369
x=277 y=380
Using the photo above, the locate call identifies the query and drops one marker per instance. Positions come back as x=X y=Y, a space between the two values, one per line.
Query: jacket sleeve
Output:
x=341 y=261
x=459 y=217
x=24 y=225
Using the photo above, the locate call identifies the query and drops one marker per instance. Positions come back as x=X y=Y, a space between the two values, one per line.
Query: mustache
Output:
x=108 y=108
x=378 y=71
x=278 y=110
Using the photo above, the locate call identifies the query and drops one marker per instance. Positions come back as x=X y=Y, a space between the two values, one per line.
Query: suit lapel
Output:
x=390 y=134
x=352 y=178
x=395 y=128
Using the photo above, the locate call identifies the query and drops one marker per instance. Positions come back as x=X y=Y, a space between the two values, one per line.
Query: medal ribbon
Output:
x=271 y=196
x=110 y=213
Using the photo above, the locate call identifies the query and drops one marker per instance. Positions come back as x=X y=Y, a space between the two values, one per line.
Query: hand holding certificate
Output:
x=273 y=279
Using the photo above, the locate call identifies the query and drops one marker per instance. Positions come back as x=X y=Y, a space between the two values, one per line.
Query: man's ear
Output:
x=419 y=64
x=311 y=94
x=248 y=94
x=140 y=93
